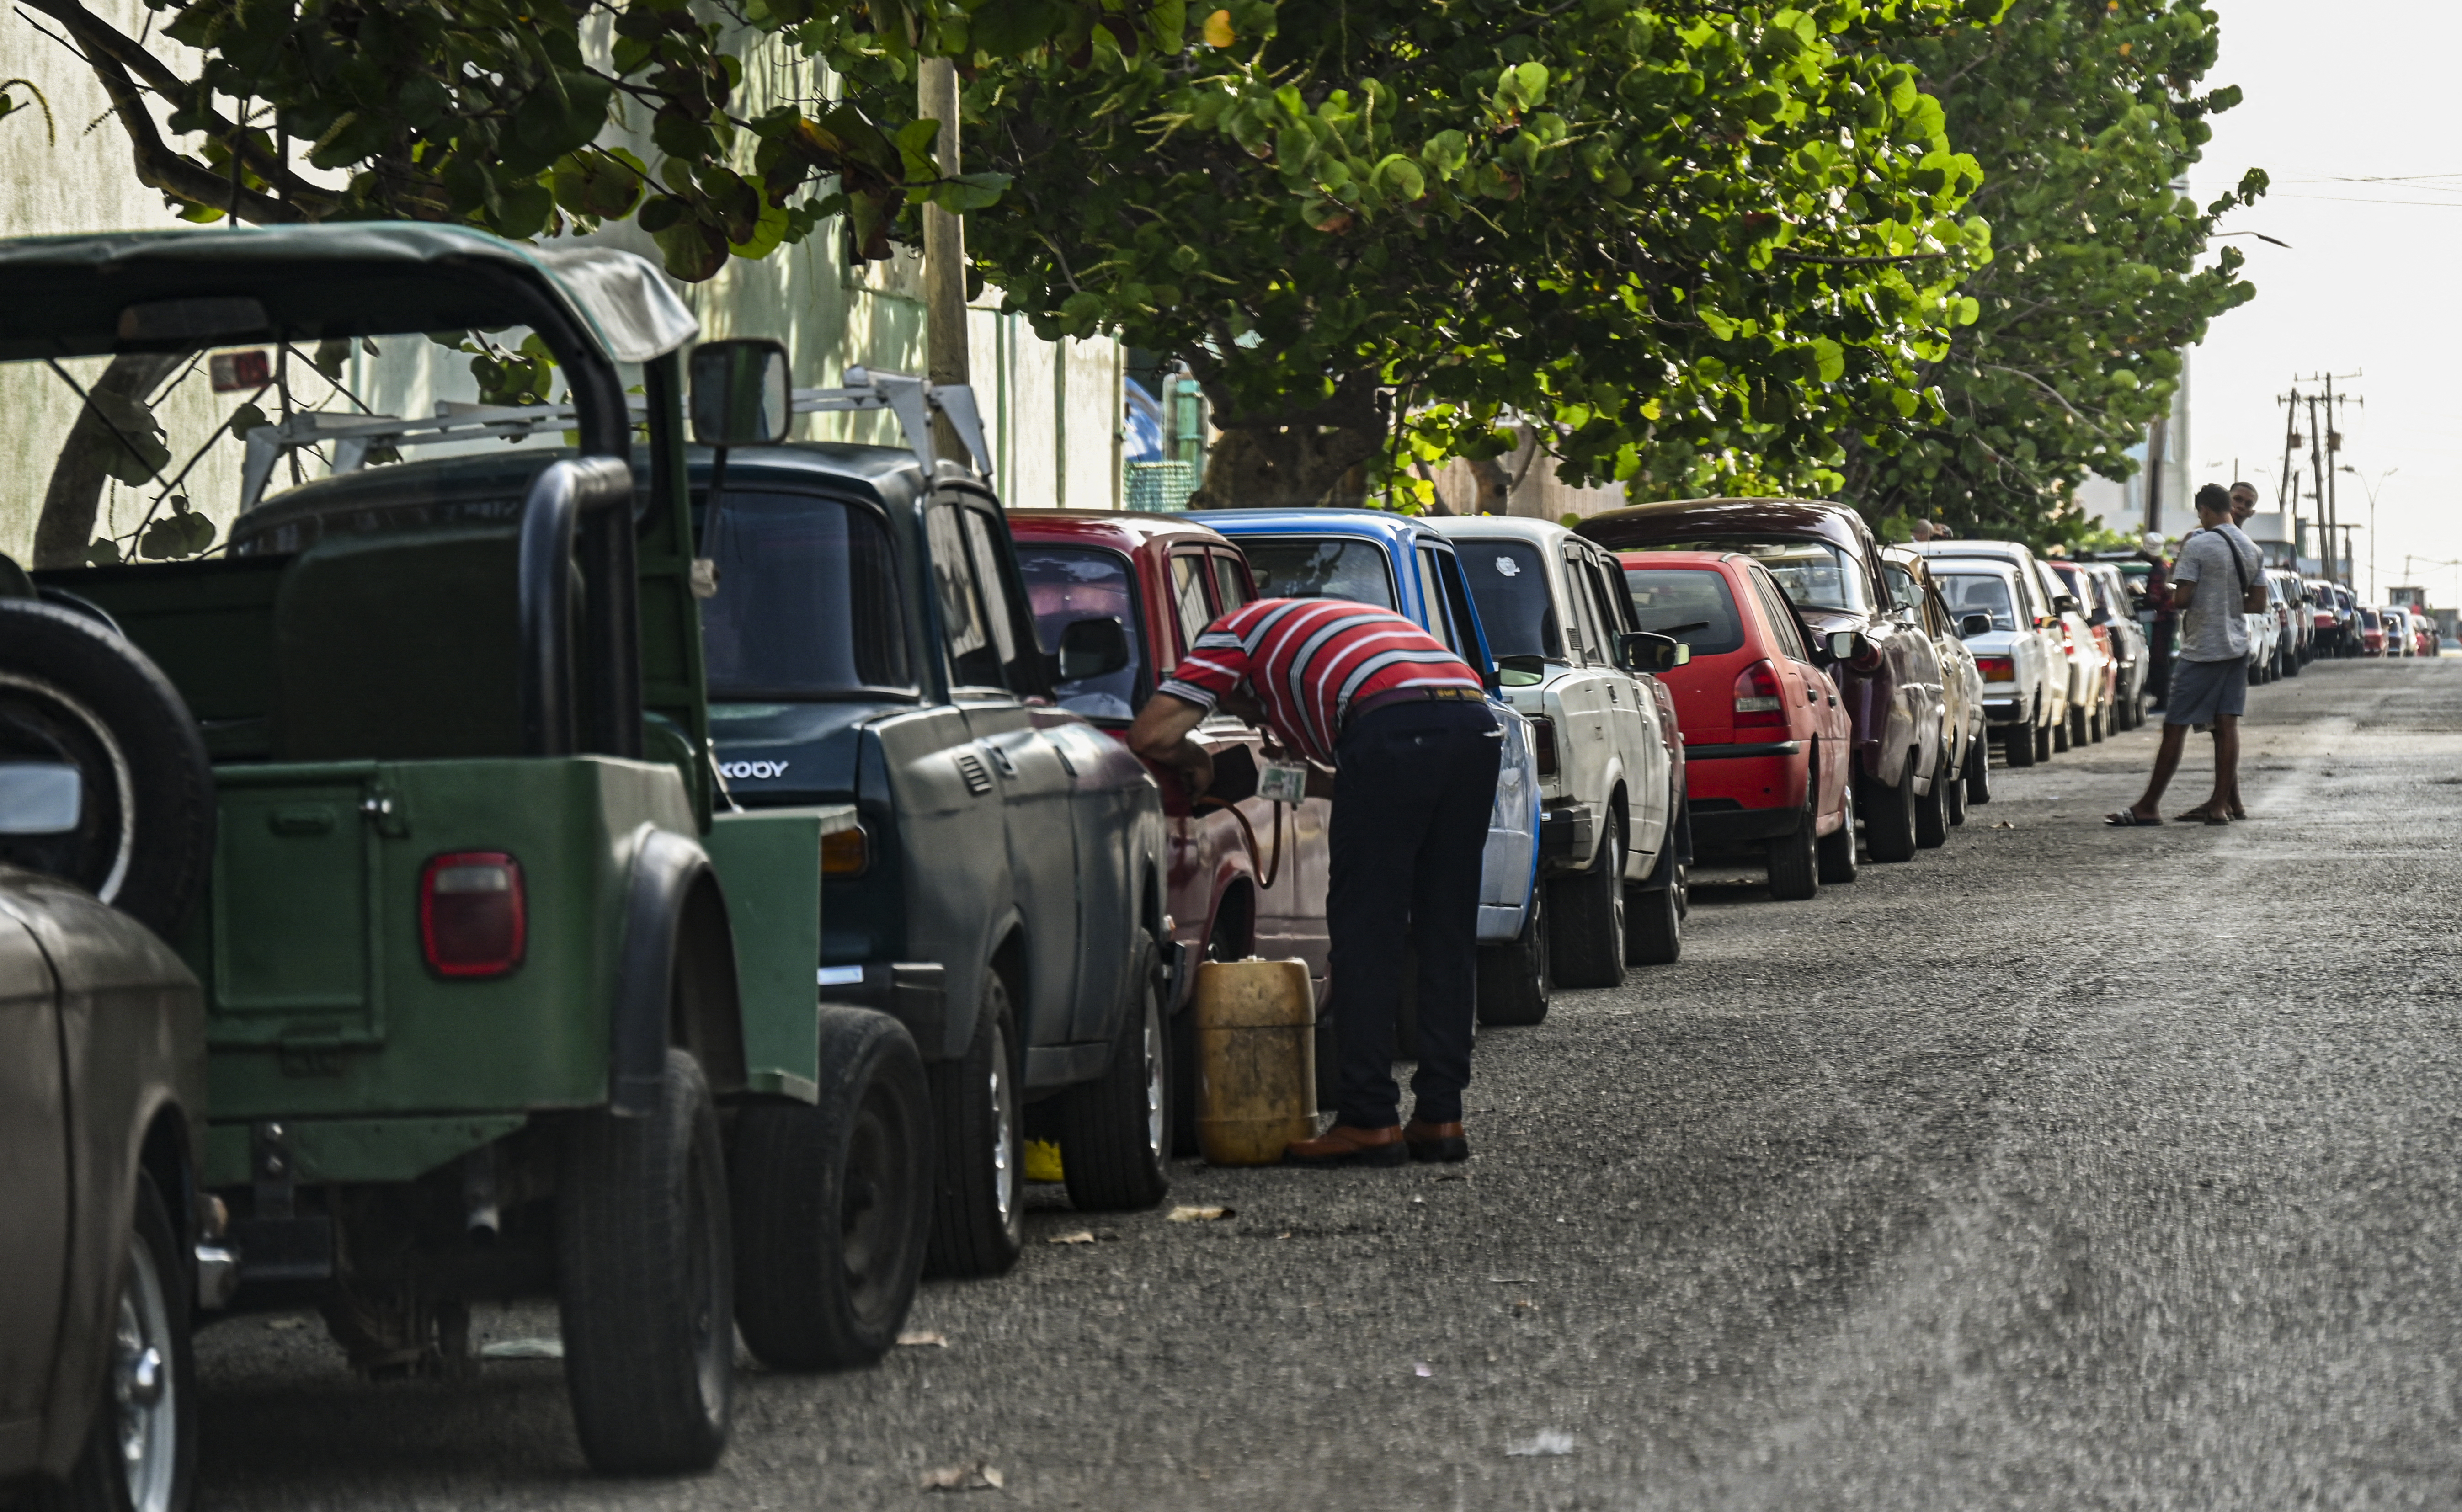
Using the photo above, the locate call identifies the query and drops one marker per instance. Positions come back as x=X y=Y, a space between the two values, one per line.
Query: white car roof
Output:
x=1545 y=532
x=1998 y=550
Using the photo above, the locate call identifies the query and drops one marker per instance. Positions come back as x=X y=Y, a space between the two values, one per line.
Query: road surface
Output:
x=2062 y=1167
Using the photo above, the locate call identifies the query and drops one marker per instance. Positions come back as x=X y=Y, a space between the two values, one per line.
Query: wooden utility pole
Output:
x=2317 y=462
x=944 y=253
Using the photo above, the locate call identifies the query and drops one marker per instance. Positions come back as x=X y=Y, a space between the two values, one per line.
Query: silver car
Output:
x=2025 y=669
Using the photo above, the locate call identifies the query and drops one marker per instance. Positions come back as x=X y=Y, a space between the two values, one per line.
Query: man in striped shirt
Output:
x=1406 y=729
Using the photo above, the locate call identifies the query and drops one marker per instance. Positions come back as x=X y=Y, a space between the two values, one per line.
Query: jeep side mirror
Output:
x=1974 y=625
x=740 y=394
x=2065 y=604
x=1091 y=648
x=40 y=797
x=1648 y=651
x=1845 y=645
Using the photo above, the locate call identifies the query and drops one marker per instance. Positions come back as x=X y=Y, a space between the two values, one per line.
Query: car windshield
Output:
x=1977 y=593
x=1815 y=573
x=1322 y=566
x=807 y=604
x=1068 y=583
x=1508 y=582
x=2368 y=619
x=1691 y=604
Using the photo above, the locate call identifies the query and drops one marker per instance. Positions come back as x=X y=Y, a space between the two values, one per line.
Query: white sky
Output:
x=2358 y=90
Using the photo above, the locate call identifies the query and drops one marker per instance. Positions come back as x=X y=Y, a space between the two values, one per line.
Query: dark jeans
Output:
x=2159 y=649
x=1411 y=802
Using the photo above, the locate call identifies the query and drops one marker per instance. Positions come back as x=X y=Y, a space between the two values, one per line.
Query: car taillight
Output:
x=1998 y=669
x=473 y=916
x=845 y=853
x=1543 y=744
x=1757 y=696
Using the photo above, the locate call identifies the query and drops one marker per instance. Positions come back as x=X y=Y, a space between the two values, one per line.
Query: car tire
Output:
x=1890 y=818
x=72 y=690
x=2292 y=663
x=832 y=1201
x=2018 y=745
x=1586 y=929
x=1515 y=980
x=1654 y=912
x=644 y=1253
x=2048 y=742
x=1954 y=800
x=978 y=1202
x=1932 y=809
x=140 y=1449
x=1836 y=850
x=1115 y=1129
x=1978 y=773
x=1795 y=859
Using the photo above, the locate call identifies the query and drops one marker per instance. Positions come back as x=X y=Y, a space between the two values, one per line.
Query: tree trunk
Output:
x=65 y=527
x=1287 y=468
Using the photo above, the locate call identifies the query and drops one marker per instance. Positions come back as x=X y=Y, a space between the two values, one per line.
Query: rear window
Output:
x=1689 y=603
x=1508 y=582
x=807 y=603
x=1977 y=593
x=1288 y=567
x=1065 y=584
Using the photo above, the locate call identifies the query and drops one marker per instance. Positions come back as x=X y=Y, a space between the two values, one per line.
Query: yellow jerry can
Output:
x=1255 y=1059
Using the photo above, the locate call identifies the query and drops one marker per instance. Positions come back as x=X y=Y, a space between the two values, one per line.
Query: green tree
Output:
x=2087 y=118
x=1695 y=247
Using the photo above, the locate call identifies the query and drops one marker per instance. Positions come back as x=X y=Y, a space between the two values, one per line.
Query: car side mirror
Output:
x=40 y=797
x=1974 y=625
x=1845 y=645
x=740 y=393
x=2065 y=604
x=1091 y=648
x=1521 y=671
x=1648 y=651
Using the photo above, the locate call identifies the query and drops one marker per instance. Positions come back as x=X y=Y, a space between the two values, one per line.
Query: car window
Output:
x=967 y=628
x=1509 y=581
x=1935 y=612
x=1607 y=586
x=1065 y=584
x=1689 y=603
x=1597 y=609
x=1814 y=574
x=1459 y=617
x=985 y=538
x=1585 y=615
x=1188 y=597
x=1230 y=583
x=1781 y=614
x=1903 y=593
x=807 y=602
x=1978 y=593
x=1299 y=567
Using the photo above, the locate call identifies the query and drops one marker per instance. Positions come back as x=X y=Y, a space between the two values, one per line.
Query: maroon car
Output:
x=1244 y=880
x=1829 y=565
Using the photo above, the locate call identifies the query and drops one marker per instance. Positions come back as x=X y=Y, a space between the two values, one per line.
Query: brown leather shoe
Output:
x=1428 y=1141
x=1344 y=1145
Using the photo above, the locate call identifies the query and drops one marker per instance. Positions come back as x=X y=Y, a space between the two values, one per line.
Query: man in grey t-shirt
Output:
x=2210 y=681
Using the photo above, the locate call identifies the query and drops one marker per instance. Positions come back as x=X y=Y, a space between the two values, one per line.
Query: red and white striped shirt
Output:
x=1308 y=660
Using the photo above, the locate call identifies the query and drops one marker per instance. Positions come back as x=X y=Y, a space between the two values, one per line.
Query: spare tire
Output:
x=73 y=691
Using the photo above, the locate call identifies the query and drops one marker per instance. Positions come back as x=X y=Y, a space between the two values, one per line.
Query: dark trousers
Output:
x=1411 y=796
x=2158 y=681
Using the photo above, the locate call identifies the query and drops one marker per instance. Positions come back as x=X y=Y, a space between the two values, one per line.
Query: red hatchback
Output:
x=1767 y=746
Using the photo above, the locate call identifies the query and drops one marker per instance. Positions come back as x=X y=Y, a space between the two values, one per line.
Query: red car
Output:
x=1767 y=744
x=1235 y=889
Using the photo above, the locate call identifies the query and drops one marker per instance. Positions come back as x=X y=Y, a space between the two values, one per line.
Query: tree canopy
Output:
x=2087 y=118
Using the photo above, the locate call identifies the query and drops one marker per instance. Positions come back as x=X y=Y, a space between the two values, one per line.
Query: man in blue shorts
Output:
x=2210 y=677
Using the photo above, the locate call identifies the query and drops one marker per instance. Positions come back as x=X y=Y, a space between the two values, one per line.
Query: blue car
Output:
x=1395 y=562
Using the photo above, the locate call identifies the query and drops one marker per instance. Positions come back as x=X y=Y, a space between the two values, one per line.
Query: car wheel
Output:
x=647 y=1280
x=1932 y=809
x=1653 y=911
x=1978 y=773
x=1837 y=849
x=1955 y=798
x=2292 y=663
x=1587 y=926
x=2095 y=726
x=2048 y=741
x=1795 y=859
x=1514 y=979
x=1890 y=818
x=978 y=1215
x=73 y=691
x=2017 y=747
x=140 y=1449
x=1114 y=1130
x=832 y=1201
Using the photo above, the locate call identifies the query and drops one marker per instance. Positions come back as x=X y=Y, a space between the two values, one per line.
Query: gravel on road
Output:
x=2061 y=1167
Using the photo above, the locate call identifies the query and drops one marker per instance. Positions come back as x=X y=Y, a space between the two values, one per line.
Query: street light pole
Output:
x=2372 y=490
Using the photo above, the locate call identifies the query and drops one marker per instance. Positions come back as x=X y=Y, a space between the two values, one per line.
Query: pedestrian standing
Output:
x=2163 y=620
x=2210 y=586
x=1413 y=749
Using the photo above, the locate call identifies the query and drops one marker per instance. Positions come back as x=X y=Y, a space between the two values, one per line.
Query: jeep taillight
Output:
x=1543 y=744
x=1998 y=669
x=1757 y=700
x=473 y=916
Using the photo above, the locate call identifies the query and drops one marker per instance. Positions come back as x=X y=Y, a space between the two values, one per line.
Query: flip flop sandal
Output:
x=2199 y=817
x=2128 y=819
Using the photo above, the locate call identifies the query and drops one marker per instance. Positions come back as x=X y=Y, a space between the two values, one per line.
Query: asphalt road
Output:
x=2060 y=1168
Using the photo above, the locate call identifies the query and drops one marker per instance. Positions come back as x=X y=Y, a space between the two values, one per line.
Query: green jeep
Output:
x=497 y=1005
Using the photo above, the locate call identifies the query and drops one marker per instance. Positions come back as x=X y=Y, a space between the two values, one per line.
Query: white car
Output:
x=1557 y=619
x=2026 y=673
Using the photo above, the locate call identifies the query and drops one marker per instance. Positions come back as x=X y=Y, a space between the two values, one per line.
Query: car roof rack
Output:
x=913 y=399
